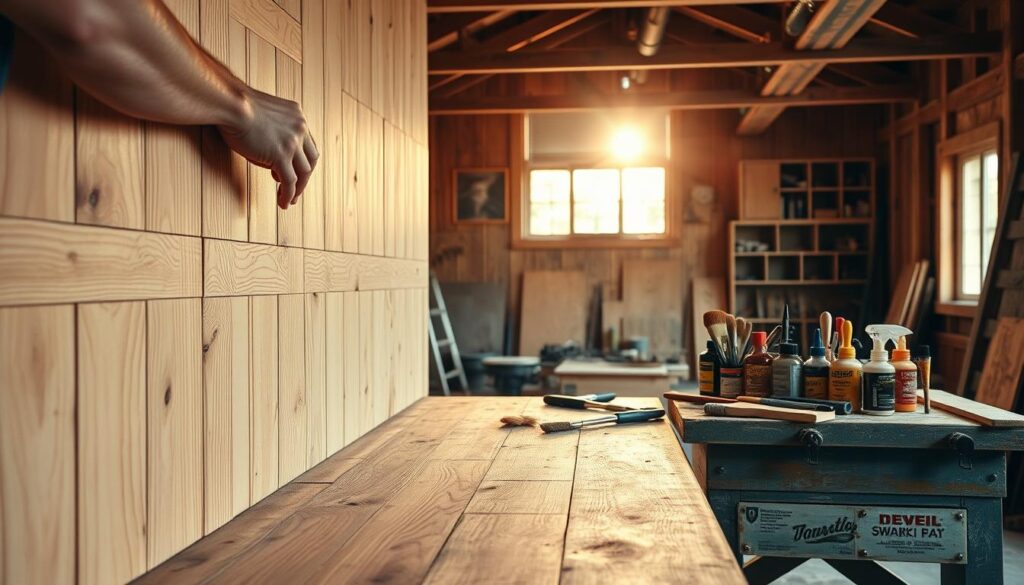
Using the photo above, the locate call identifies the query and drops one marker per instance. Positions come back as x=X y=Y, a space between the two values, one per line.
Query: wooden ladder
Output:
x=439 y=346
x=1002 y=295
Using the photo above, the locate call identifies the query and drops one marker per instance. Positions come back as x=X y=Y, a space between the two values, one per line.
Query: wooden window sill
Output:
x=607 y=243
x=957 y=308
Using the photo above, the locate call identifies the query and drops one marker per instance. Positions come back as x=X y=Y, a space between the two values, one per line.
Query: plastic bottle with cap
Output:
x=878 y=384
x=815 y=370
x=844 y=373
x=786 y=371
x=906 y=378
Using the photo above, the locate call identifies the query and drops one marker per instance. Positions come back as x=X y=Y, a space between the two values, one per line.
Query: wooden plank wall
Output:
x=173 y=347
x=705 y=151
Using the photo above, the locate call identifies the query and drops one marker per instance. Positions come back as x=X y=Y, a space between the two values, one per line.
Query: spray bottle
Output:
x=844 y=373
x=906 y=378
x=879 y=381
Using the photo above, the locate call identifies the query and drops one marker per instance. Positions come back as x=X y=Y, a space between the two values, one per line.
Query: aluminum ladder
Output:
x=441 y=345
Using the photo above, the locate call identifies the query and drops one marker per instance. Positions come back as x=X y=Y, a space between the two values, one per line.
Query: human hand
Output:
x=272 y=134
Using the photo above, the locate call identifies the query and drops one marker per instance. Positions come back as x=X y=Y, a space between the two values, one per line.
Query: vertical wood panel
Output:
x=225 y=173
x=357 y=407
x=292 y=422
x=336 y=372
x=263 y=450
x=380 y=365
x=262 y=186
x=109 y=181
x=173 y=154
x=376 y=174
x=111 y=442
x=289 y=86
x=37 y=444
x=313 y=75
x=352 y=163
x=357 y=17
x=174 y=426
x=316 y=392
x=36 y=124
x=366 y=409
x=390 y=175
x=333 y=165
x=226 y=416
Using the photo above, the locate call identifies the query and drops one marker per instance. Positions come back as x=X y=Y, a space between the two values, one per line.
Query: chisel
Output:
x=582 y=402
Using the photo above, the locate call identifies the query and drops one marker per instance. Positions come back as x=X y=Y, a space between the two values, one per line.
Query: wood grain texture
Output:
x=289 y=86
x=521 y=497
x=226 y=414
x=263 y=324
x=314 y=74
x=354 y=164
x=292 y=7
x=293 y=418
x=109 y=173
x=365 y=403
x=174 y=426
x=334 y=370
x=377 y=360
x=554 y=309
x=238 y=268
x=357 y=406
x=478 y=549
x=111 y=442
x=327 y=271
x=37 y=444
x=334 y=166
x=316 y=379
x=272 y=23
x=225 y=173
x=358 y=50
x=262 y=59
x=1004 y=365
x=45 y=262
x=36 y=124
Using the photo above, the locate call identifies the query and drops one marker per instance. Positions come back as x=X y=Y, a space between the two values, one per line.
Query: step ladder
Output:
x=439 y=346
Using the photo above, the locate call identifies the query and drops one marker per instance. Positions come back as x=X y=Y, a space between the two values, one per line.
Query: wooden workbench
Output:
x=442 y=494
x=843 y=490
x=589 y=376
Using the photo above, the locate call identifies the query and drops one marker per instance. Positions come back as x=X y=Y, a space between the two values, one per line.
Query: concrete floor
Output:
x=816 y=572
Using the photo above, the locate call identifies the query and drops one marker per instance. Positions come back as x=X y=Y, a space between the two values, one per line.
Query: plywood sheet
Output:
x=263 y=325
x=553 y=309
x=1004 y=365
x=293 y=416
x=652 y=296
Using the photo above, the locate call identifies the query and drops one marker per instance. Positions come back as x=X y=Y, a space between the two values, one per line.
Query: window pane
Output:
x=970 y=231
x=643 y=201
x=549 y=203
x=990 y=207
x=595 y=195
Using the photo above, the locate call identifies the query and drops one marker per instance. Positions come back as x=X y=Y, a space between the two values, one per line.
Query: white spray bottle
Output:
x=878 y=382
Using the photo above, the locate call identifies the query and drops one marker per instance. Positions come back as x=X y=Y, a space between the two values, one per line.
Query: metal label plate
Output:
x=886 y=533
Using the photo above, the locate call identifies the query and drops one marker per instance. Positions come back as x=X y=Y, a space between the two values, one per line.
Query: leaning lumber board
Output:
x=982 y=414
x=1004 y=364
x=554 y=309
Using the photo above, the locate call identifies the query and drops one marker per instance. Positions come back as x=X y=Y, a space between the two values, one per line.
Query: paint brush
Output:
x=617 y=418
x=785 y=324
x=714 y=322
x=730 y=324
x=825 y=322
x=773 y=336
x=835 y=336
x=743 y=328
x=581 y=403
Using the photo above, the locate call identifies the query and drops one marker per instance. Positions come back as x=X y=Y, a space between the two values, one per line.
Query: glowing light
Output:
x=626 y=82
x=627 y=144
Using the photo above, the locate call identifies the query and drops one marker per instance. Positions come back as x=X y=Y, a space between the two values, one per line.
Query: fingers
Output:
x=285 y=173
x=303 y=170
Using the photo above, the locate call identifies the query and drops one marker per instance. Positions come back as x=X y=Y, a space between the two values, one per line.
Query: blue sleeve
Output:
x=6 y=44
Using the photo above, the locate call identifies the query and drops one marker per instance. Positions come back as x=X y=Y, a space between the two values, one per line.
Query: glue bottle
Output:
x=709 y=374
x=816 y=370
x=879 y=381
x=906 y=378
x=844 y=373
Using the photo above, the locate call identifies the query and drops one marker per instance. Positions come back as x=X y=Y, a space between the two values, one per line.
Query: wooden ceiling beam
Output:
x=458 y=84
x=689 y=100
x=910 y=23
x=739 y=22
x=718 y=55
x=441 y=6
x=447 y=31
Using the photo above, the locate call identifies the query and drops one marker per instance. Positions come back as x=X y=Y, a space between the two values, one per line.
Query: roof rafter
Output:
x=448 y=31
x=435 y=6
x=738 y=22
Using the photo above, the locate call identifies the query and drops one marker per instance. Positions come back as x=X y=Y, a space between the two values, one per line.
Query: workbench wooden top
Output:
x=606 y=368
x=441 y=493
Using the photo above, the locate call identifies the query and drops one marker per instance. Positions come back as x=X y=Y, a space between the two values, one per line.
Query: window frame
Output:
x=949 y=211
x=520 y=199
x=960 y=159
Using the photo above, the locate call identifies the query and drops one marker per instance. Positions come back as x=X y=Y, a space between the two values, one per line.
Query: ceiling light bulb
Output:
x=627 y=144
x=626 y=82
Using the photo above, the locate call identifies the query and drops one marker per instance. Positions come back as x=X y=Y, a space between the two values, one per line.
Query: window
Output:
x=978 y=209
x=595 y=177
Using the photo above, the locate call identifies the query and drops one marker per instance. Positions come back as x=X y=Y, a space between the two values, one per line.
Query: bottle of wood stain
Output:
x=878 y=382
x=786 y=371
x=815 y=370
x=708 y=375
x=906 y=378
x=844 y=373
x=757 y=367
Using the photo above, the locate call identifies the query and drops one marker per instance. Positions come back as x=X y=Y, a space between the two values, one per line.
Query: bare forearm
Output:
x=136 y=57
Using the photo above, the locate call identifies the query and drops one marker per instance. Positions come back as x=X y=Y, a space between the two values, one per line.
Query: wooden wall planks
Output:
x=222 y=346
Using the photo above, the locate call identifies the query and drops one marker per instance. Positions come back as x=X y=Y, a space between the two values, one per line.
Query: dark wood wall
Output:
x=705 y=151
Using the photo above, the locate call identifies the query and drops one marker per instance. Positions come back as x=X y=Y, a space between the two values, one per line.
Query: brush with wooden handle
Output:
x=744 y=410
x=715 y=323
x=617 y=418
x=581 y=403
x=825 y=322
x=780 y=402
x=696 y=398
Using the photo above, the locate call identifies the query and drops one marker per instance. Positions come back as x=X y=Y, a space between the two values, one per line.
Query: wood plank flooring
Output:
x=441 y=493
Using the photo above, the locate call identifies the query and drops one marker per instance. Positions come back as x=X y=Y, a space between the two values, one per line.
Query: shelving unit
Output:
x=805 y=237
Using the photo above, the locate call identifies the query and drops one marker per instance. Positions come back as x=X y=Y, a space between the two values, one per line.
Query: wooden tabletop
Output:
x=442 y=493
x=606 y=368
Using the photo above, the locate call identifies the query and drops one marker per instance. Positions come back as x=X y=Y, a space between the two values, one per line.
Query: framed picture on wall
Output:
x=481 y=195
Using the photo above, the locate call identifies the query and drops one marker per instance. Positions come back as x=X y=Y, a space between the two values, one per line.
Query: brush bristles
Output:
x=556 y=427
x=714 y=318
x=519 y=421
